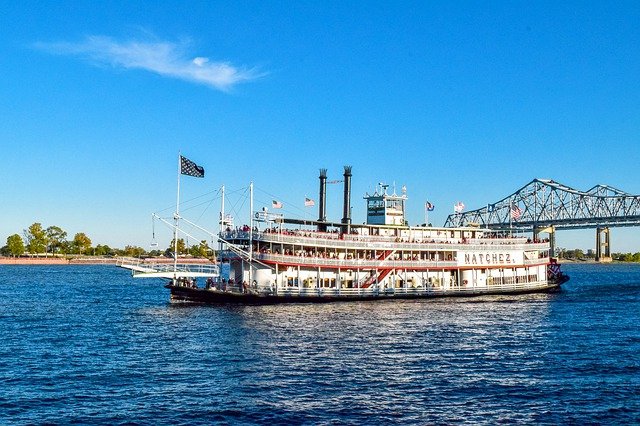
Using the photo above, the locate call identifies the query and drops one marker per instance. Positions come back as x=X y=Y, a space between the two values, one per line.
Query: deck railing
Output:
x=140 y=266
x=353 y=263
x=368 y=242
x=373 y=263
x=376 y=292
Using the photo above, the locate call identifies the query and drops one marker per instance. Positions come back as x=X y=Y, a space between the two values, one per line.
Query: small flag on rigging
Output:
x=429 y=206
x=458 y=207
x=308 y=202
x=189 y=168
x=276 y=204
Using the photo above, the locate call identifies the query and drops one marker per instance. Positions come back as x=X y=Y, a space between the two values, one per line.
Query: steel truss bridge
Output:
x=544 y=205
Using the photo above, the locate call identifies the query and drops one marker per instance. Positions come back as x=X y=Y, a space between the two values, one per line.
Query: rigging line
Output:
x=233 y=209
x=203 y=212
x=286 y=202
x=189 y=200
x=209 y=202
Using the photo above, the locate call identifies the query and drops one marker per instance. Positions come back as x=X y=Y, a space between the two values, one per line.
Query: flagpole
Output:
x=510 y=219
x=426 y=215
x=175 y=229
x=222 y=219
x=250 y=233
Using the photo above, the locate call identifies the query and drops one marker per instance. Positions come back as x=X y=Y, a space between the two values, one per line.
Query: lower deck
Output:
x=243 y=294
x=301 y=280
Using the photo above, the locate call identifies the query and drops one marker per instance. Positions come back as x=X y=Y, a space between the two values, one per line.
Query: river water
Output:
x=91 y=345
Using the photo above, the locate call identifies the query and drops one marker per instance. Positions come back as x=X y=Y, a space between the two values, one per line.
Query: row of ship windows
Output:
x=367 y=255
x=350 y=283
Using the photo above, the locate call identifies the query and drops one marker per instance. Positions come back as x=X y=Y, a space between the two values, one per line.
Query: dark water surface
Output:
x=90 y=345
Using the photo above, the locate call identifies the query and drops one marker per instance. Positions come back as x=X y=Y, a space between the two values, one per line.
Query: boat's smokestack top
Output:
x=322 y=205
x=346 y=218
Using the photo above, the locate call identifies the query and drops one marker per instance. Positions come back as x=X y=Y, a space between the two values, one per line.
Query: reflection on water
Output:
x=89 y=344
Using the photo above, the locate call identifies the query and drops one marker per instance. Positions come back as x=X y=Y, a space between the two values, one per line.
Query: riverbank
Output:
x=88 y=260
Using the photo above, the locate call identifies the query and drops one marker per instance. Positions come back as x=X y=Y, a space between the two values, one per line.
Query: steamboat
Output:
x=274 y=259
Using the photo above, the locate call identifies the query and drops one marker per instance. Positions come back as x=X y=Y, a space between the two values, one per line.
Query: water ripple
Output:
x=88 y=345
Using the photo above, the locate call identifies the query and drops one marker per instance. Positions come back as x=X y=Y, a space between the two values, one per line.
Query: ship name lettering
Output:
x=486 y=258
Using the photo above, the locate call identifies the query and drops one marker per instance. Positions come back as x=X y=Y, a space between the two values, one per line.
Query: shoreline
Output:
x=113 y=260
x=87 y=260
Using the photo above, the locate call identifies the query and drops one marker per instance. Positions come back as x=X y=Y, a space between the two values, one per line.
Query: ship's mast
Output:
x=250 y=232
x=222 y=220
x=175 y=218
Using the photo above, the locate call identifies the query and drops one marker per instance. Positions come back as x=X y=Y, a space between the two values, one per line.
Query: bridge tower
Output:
x=603 y=246
x=551 y=230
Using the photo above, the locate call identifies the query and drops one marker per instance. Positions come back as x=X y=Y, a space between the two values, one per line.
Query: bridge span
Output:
x=544 y=205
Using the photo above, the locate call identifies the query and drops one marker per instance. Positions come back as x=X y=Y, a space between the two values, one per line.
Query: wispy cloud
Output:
x=165 y=58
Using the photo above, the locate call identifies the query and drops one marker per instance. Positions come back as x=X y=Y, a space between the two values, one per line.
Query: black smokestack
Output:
x=322 y=205
x=346 y=219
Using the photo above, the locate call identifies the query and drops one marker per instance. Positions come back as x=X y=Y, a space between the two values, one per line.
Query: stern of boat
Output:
x=555 y=274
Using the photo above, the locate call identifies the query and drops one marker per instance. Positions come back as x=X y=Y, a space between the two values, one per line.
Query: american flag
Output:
x=429 y=206
x=275 y=204
x=516 y=212
x=458 y=207
x=189 y=168
x=226 y=220
x=308 y=202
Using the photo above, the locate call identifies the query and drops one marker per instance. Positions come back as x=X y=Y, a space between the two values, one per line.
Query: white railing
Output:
x=354 y=263
x=367 y=242
x=140 y=266
x=409 y=291
x=374 y=263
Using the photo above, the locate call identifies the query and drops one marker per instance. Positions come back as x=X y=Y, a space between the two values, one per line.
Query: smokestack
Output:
x=346 y=219
x=322 y=205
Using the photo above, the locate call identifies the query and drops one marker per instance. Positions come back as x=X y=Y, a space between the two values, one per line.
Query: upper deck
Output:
x=358 y=241
x=415 y=249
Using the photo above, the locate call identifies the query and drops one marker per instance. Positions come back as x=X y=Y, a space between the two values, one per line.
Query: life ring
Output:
x=257 y=215
x=449 y=257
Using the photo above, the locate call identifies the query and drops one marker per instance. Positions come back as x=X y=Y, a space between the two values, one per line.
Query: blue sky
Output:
x=456 y=100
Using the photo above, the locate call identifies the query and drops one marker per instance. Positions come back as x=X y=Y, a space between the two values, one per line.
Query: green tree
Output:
x=15 y=245
x=56 y=236
x=201 y=250
x=81 y=243
x=181 y=247
x=36 y=238
x=134 y=251
x=103 y=250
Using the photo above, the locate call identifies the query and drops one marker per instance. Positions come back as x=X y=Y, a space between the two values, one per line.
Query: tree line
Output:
x=578 y=254
x=37 y=240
